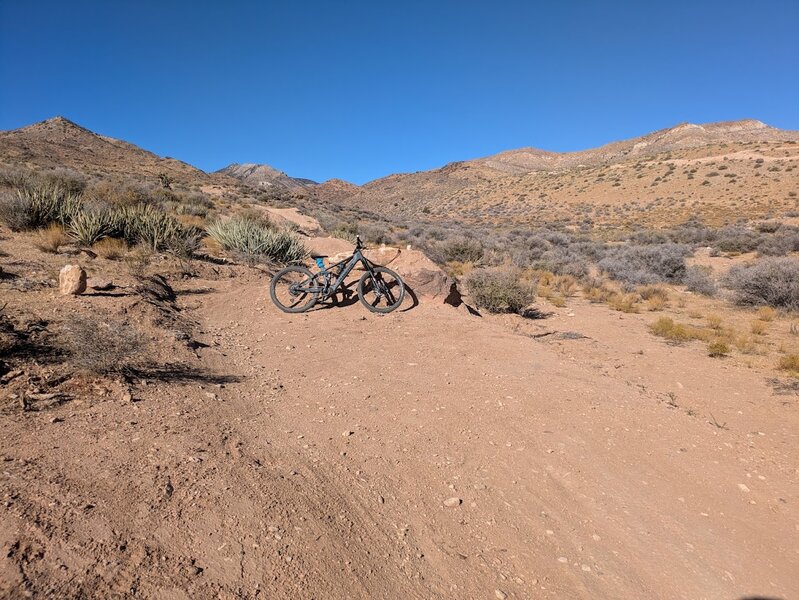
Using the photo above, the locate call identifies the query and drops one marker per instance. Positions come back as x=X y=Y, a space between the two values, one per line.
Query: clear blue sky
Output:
x=361 y=89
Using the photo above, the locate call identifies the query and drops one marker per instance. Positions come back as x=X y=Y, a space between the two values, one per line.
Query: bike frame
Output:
x=340 y=271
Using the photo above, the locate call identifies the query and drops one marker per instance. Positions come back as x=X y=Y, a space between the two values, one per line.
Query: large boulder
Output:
x=72 y=280
x=424 y=277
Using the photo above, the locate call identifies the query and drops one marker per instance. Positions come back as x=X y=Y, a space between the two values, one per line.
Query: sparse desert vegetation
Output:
x=647 y=341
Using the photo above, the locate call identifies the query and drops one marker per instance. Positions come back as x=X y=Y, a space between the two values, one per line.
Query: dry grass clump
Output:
x=718 y=348
x=556 y=288
x=656 y=303
x=98 y=346
x=790 y=363
x=597 y=293
x=665 y=327
x=766 y=313
x=110 y=248
x=626 y=303
x=758 y=328
x=714 y=321
x=50 y=239
x=656 y=297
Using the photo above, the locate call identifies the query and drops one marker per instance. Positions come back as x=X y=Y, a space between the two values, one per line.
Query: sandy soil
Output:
x=423 y=454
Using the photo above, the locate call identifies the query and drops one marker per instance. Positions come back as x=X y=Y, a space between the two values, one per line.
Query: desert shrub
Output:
x=563 y=261
x=117 y=194
x=769 y=281
x=766 y=313
x=638 y=265
x=88 y=227
x=779 y=244
x=256 y=242
x=626 y=303
x=38 y=206
x=71 y=182
x=718 y=348
x=665 y=327
x=529 y=251
x=110 y=248
x=345 y=231
x=693 y=233
x=789 y=362
x=697 y=279
x=737 y=239
x=461 y=249
x=376 y=233
x=499 y=290
x=97 y=345
x=647 y=237
x=149 y=226
x=185 y=243
x=50 y=239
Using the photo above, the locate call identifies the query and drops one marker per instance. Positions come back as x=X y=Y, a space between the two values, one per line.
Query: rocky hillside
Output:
x=717 y=171
x=266 y=177
x=60 y=143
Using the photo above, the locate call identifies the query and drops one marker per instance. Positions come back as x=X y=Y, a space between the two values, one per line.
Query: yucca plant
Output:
x=256 y=241
x=90 y=226
x=145 y=225
x=39 y=205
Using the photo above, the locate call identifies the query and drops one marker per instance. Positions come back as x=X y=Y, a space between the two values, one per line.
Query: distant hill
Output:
x=714 y=170
x=266 y=177
x=58 y=142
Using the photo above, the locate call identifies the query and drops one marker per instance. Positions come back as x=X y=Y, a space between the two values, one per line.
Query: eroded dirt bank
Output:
x=424 y=454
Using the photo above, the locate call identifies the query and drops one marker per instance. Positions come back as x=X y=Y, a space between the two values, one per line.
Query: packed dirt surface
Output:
x=423 y=454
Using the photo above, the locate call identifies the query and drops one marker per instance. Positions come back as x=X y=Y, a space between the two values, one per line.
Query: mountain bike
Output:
x=296 y=289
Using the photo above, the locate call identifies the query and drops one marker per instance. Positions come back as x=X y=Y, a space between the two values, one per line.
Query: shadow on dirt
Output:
x=179 y=373
x=195 y=291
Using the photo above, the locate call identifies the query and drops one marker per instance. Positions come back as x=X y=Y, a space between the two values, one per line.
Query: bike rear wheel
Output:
x=381 y=291
x=289 y=289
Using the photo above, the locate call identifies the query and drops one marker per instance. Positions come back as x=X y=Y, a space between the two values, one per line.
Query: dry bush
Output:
x=790 y=363
x=96 y=345
x=745 y=344
x=714 y=321
x=640 y=265
x=766 y=313
x=665 y=327
x=758 y=328
x=499 y=290
x=110 y=248
x=50 y=239
x=718 y=348
x=656 y=303
x=596 y=291
x=697 y=279
x=626 y=303
x=770 y=281
x=138 y=260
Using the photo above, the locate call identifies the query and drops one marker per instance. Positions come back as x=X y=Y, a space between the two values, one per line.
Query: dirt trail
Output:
x=572 y=482
x=423 y=454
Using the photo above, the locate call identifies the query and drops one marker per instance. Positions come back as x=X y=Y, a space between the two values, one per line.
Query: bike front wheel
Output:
x=381 y=291
x=291 y=289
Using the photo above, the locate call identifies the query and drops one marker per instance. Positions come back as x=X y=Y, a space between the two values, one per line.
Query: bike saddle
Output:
x=318 y=255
